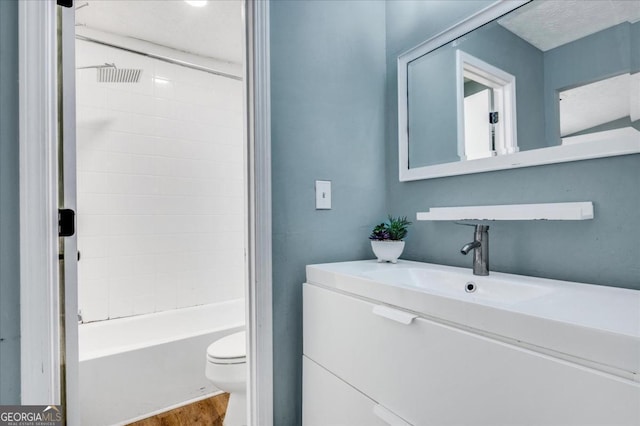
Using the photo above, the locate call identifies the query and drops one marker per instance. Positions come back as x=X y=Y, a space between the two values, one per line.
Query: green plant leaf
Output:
x=394 y=229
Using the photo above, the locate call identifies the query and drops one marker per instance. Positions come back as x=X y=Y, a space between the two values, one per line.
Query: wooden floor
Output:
x=208 y=412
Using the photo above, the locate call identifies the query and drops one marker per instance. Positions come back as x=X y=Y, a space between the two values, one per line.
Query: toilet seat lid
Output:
x=232 y=348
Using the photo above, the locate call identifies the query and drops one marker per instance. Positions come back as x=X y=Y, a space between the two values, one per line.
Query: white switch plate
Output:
x=323 y=195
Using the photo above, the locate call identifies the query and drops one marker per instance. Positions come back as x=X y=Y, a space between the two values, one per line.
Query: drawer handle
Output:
x=394 y=314
x=388 y=417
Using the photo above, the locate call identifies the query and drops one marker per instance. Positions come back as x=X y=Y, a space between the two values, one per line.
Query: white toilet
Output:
x=227 y=369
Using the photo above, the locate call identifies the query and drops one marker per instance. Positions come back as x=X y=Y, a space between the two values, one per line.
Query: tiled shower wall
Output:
x=160 y=187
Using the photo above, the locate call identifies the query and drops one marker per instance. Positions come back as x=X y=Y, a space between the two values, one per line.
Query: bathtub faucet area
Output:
x=480 y=246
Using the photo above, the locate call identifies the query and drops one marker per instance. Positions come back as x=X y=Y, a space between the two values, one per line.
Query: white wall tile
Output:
x=93 y=225
x=165 y=292
x=143 y=294
x=92 y=95
x=93 y=204
x=163 y=88
x=124 y=121
x=89 y=116
x=93 y=247
x=168 y=244
x=228 y=285
x=191 y=93
x=91 y=137
x=169 y=263
x=144 y=264
x=93 y=268
x=233 y=188
x=133 y=184
x=143 y=164
x=121 y=291
x=223 y=117
x=121 y=100
x=95 y=299
x=93 y=182
x=228 y=222
x=228 y=135
x=127 y=225
x=91 y=160
x=162 y=108
x=231 y=170
x=227 y=94
x=131 y=143
x=231 y=256
x=120 y=265
x=160 y=188
x=227 y=153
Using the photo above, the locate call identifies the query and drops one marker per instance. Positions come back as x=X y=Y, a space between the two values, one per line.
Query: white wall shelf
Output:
x=546 y=211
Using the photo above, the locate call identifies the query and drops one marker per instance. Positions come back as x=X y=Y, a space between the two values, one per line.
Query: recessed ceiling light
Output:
x=197 y=3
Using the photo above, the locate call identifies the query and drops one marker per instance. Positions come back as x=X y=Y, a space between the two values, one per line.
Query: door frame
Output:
x=40 y=371
x=44 y=380
x=259 y=256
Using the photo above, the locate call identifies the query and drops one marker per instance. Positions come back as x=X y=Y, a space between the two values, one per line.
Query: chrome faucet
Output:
x=480 y=245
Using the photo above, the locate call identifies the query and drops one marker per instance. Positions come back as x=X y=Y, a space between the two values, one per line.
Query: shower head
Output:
x=118 y=75
x=109 y=73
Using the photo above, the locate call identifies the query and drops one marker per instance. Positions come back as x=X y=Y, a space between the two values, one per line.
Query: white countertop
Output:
x=596 y=323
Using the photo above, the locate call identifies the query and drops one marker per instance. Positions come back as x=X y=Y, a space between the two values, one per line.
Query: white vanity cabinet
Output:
x=405 y=369
x=329 y=400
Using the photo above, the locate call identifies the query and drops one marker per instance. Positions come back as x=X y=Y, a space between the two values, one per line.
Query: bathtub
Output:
x=131 y=368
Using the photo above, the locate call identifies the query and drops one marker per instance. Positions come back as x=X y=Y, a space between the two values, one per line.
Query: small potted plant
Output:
x=386 y=239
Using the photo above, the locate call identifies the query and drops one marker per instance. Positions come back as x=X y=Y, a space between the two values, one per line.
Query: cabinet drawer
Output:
x=432 y=374
x=328 y=401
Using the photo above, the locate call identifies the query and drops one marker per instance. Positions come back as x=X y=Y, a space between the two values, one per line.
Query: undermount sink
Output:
x=461 y=285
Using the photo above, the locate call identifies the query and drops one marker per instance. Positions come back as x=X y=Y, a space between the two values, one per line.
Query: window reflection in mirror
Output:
x=606 y=109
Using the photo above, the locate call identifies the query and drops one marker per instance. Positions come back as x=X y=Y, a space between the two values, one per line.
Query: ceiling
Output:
x=547 y=24
x=214 y=31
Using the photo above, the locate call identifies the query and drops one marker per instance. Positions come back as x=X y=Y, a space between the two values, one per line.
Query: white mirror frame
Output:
x=535 y=157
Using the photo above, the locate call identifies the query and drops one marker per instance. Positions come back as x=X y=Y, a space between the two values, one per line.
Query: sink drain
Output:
x=470 y=287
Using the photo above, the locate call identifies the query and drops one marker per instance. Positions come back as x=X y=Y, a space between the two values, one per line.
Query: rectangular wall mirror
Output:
x=522 y=83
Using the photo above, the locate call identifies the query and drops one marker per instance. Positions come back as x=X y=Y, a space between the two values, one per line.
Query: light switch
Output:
x=323 y=195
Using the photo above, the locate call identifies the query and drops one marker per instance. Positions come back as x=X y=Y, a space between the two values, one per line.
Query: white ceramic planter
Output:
x=387 y=250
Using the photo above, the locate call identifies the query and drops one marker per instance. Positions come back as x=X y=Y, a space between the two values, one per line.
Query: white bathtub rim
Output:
x=168 y=312
x=230 y=325
x=91 y=355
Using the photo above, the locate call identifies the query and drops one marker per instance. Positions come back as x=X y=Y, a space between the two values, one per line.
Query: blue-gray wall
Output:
x=9 y=219
x=433 y=121
x=328 y=105
x=328 y=108
x=600 y=251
